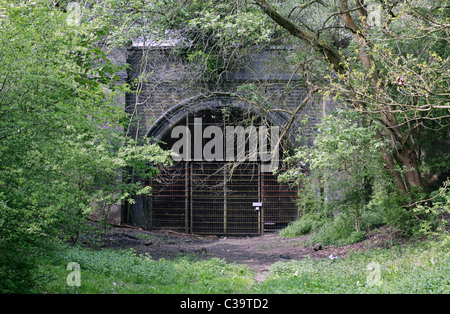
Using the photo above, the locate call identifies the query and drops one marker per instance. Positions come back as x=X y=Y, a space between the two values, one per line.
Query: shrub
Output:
x=304 y=225
x=17 y=238
x=337 y=231
x=371 y=219
x=401 y=219
x=17 y=271
x=436 y=217
x=345 y=170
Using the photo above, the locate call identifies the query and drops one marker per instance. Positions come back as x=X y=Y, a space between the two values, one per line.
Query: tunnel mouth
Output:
x=218 y=196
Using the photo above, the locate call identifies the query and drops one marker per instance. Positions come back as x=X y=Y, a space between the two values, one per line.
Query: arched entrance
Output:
x=211 y=192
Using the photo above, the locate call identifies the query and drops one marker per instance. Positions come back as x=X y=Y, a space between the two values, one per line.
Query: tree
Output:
x=383 y=74
x=344 y=164
x=61 y=133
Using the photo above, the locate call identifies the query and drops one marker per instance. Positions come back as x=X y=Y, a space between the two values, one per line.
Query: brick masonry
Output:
x=161 y=80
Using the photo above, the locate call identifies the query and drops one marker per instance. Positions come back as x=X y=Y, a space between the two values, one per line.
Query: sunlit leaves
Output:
x=62 y=146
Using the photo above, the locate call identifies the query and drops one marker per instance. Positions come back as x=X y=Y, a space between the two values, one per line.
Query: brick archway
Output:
x=216 y=197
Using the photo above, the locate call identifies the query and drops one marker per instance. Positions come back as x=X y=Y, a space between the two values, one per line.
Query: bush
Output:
x=345 y=170
x=371 y=219
x=436 y=217
x=17 y=238
x=401 y=219
x=17 y=271
x=304 y=225
x=338 y=231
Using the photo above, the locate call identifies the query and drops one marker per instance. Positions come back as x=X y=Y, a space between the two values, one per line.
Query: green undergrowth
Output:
x=395 y=271
x=122 y=271
x=424 y=268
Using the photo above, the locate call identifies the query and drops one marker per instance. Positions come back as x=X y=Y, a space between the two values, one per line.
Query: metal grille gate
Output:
x=205 y=197
x=222 y=196
x=217 y=198
x=167 y=206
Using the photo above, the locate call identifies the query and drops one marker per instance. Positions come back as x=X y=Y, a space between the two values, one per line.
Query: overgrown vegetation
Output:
x=111 y=271
x=385 y=153
x=62 y=144
x=421 y=269
x=348 y=192
x=372 y=158
x=398 y=270
x=383 y=160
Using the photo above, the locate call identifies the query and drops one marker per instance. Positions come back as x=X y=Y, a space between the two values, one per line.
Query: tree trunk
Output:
x=403 y=153
x=407 y=158
x=390 y=167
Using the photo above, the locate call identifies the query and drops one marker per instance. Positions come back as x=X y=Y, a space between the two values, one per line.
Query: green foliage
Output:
x=17 y=271
x=344 y=166
x=408 y=83
x=211 y=34
x=62 y=148
x=338 y=231
x=435 y=217
x=232 y=23
x=306 y=224
x=347 y=192
x=122 y=271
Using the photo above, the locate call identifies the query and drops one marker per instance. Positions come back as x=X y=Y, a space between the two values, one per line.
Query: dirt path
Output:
x=257 y=252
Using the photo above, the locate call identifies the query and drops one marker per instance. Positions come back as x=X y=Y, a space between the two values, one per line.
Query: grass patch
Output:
x=420 y=269
x=122 y=271
x=399 y=271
